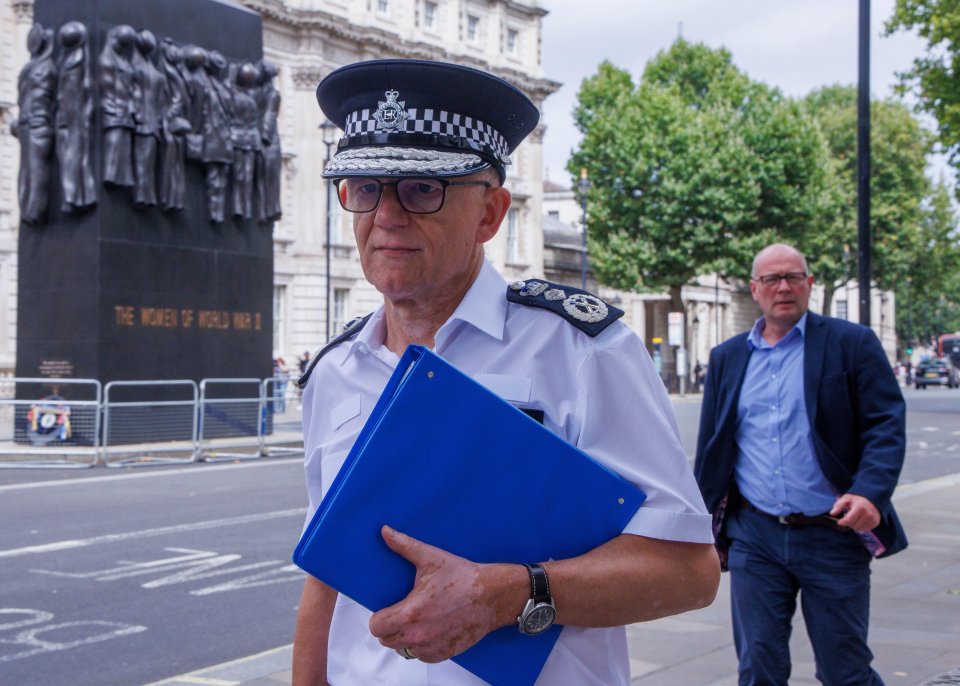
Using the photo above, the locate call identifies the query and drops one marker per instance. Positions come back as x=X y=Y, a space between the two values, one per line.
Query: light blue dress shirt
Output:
x=776 y=468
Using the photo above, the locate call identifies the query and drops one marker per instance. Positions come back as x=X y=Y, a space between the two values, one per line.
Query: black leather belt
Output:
x=795 y=519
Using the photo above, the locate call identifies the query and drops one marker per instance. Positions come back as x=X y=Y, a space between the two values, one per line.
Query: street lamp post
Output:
x=584 y=185
x=329 y=134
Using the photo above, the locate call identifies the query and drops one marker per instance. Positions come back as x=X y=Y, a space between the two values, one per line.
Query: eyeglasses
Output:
x=416 y=196
x=771 y=280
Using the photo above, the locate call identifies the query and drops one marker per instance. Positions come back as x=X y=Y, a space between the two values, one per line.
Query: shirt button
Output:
x=775 y=440
x=776 y=471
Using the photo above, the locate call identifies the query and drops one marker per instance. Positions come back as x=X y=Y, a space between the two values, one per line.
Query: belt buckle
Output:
x=783 y=519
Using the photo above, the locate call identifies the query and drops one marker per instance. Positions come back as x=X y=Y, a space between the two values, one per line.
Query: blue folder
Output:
x=445 y=460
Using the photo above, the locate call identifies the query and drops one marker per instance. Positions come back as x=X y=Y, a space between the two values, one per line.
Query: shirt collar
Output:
x=755 y=338
x=484 y=306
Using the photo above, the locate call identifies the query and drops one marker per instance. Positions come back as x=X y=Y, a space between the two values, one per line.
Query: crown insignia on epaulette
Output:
x=588 y=312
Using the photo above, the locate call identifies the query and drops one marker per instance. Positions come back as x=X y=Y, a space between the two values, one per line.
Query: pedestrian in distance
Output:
x=281 y=376
x=800 y=446
x=422 y=166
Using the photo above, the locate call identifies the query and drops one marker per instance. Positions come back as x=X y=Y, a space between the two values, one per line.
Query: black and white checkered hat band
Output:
x=431 y=121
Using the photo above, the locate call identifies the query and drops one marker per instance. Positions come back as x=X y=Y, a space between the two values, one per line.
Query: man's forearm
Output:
x=312 y=633
x=455 y=602
x=633 y=579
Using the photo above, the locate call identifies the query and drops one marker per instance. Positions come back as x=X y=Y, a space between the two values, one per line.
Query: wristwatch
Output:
x=539 y=612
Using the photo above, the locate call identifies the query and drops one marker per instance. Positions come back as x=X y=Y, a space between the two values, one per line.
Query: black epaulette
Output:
x=584 y=310
x=350 y=329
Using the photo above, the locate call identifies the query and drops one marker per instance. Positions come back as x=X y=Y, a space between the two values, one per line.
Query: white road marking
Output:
x=193 y=565
x=193 y=470
x=143 y=533
x=280 y=655
x=30 y=637
x=33 y=617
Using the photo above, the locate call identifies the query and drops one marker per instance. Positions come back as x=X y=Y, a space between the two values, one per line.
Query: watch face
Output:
x=539 y=619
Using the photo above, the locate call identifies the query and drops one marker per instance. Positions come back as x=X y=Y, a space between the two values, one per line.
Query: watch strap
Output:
x=539 y=583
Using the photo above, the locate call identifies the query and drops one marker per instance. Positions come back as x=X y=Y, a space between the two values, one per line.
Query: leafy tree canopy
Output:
x=898 y=186
x=935 y=77
x=692 y=169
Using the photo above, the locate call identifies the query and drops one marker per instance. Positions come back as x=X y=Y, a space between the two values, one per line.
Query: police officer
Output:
x=421 y=167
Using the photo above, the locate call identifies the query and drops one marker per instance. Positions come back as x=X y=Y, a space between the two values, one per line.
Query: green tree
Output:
x=691 y=170
x=935 y=77
x=898 y=185
x=927 y=297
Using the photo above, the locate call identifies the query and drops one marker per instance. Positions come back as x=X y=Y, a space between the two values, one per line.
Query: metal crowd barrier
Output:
x=158 y=430
x=280 y=429
x=133 y=423
x=230 y=415
x=40 y=428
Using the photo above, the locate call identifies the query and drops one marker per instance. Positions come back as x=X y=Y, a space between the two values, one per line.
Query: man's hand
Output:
x=454 y=602
x=857 y=512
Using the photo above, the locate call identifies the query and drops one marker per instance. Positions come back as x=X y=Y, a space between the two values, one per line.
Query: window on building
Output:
x=340 y=309
x=841 y=309
x=513 y=240
x=383 y=6
x=473 y=28
x=279 y=312
x=430 y=14
x=554 y=214
x=512 y=36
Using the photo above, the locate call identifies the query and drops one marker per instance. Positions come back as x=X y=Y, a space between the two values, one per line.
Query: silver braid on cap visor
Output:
x=405 y=160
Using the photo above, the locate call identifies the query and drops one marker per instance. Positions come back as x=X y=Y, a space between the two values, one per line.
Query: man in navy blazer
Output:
x=800 y=446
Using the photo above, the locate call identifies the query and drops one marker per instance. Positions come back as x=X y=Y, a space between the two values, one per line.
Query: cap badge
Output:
x=391 y=114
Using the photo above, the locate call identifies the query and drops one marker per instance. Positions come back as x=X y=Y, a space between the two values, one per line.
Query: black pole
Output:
x=327 y=248
x=584 y=183
x=863 y=165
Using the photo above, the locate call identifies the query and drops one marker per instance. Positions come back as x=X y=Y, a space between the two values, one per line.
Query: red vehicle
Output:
x=948 y=345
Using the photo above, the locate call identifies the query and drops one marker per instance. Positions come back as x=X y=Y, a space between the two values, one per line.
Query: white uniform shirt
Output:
x=601 y=394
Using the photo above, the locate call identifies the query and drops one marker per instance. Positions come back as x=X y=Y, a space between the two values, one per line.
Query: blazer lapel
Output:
x=736 y=369
x=814 y=348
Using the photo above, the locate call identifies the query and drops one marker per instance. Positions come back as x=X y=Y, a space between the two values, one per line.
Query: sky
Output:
x=795 y=45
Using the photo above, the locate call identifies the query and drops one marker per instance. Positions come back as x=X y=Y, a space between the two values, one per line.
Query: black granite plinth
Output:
x=121 y=292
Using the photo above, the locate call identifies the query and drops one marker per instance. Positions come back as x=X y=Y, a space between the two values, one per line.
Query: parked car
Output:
x=940 y=372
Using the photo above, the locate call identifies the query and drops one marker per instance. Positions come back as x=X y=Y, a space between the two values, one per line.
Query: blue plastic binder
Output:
x=447 y=461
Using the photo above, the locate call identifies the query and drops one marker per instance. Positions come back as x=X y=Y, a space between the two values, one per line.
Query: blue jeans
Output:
x=769 y=564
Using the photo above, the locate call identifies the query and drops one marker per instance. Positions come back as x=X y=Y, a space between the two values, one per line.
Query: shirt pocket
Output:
x=346 y=413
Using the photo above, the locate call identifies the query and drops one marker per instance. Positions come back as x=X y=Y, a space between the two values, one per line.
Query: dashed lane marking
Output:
x=142 y=533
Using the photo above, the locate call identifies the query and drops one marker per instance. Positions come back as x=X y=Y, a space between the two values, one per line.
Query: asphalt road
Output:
x=125 y=577
x=933 y=431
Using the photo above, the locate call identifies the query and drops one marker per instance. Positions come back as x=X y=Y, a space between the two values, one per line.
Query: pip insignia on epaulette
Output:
x=584 y=310
x=350 y=329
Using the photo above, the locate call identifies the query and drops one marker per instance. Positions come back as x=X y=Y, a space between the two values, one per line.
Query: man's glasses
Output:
x=417 y=196
x=771 y=280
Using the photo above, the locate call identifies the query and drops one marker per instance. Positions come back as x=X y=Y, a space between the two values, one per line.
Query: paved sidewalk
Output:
x=914 y=628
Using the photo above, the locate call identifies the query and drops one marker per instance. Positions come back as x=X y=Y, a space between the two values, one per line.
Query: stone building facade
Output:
x=307 y=39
